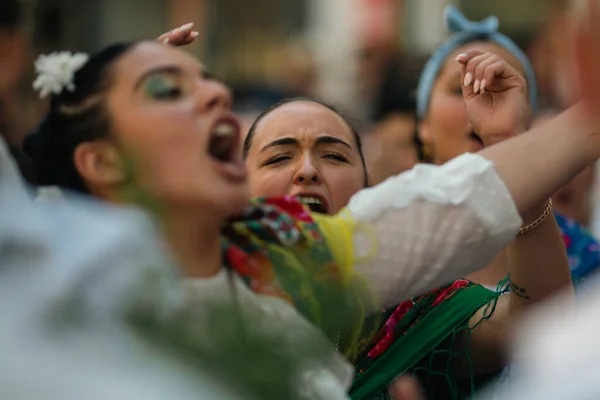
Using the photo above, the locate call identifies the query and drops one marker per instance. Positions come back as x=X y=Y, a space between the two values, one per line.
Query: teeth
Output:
x=224 y=129
x=310 y=200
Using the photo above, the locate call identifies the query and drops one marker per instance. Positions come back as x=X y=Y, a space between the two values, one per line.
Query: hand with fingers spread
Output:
x=495 y=96
x=181 y=36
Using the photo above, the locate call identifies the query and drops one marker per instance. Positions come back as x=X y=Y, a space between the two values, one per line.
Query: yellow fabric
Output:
x=338 y=231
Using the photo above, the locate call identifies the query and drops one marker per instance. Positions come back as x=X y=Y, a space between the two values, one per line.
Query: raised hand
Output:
x=495 y=96
x=181 y=36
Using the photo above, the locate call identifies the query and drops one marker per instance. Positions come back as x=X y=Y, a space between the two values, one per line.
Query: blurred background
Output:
x=345 y=51
x=364 y=56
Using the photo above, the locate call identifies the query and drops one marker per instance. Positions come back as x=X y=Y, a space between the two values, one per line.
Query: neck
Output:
x=193 y=236
x=195 y=242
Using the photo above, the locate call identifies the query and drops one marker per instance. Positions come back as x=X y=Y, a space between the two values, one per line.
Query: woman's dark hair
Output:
x=252 y=131
x=74 y=117
x=10 y=14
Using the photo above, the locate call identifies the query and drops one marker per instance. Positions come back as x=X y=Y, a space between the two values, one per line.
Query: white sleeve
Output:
x=428 y=226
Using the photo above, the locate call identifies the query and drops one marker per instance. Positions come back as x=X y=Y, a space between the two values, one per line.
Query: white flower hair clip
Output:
x=56 y=72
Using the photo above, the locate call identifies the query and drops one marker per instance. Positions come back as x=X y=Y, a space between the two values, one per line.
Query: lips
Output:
x=225 y=140
x=224 y=148
x=315 y=202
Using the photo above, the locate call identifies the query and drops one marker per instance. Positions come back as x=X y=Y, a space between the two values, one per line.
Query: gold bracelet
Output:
x=528 y=228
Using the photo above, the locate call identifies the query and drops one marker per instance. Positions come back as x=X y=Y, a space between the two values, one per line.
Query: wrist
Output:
x=537 y=216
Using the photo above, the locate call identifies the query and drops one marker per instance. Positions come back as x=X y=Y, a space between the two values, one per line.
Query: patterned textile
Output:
x=278 y=249
x=419 y=337
x=582 y=248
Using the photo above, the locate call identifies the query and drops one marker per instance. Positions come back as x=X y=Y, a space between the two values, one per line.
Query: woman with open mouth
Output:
x=145 y=124
x=306 y=149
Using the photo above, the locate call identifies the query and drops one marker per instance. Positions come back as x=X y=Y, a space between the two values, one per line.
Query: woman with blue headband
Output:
x=445 y=130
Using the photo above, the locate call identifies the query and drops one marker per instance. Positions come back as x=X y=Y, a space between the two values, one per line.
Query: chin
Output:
x=234 y=203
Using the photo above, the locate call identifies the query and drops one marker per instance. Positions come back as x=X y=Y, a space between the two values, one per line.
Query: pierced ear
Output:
x=99 y=164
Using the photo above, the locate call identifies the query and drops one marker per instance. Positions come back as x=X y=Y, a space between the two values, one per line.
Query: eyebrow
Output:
x=287 y=141
x=173 y=70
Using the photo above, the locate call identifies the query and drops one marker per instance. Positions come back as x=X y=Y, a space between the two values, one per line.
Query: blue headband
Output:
x=466 y=31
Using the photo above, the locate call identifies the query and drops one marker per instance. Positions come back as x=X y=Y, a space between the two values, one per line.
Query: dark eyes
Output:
x=277 y=160
x=335 y=156
x=329 y=156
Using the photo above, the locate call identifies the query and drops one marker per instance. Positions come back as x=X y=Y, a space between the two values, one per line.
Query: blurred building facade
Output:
x=297 y=46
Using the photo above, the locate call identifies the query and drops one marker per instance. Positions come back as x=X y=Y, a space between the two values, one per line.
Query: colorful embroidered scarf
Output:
x=279 y=249
x=418 y=338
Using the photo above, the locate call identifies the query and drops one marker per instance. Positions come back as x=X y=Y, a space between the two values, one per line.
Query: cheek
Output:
x=343 y=183
x=265 y=183
x=448 y=116
x=167 y=150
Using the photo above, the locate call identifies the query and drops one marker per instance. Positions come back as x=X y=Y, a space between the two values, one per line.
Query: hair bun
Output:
x=39 y=147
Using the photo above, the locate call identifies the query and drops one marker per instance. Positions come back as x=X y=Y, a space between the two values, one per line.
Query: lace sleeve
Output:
x=423 y=228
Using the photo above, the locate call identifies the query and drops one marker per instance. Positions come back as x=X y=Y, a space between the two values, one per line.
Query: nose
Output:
x=307 y=173
x=212 y=95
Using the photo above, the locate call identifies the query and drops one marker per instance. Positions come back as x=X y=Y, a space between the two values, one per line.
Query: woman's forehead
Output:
x=147 y=56
x=298 y=116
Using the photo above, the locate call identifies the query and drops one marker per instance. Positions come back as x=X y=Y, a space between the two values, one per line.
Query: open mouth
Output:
x=224 y=144
x=314 y=202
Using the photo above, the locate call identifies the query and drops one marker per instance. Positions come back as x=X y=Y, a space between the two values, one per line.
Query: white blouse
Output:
x=418 y=230
x=431 y=225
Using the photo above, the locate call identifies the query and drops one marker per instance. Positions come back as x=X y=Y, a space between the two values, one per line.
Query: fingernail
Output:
x=460 y=57
x=186 y=26
x=482 y=88
x=166 y=41
x=194 y=34
x=468 y=79
x=476 y=86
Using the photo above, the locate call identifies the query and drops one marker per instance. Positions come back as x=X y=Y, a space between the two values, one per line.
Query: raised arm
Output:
x=423 y=228
x=430 y=225
x=537 y=259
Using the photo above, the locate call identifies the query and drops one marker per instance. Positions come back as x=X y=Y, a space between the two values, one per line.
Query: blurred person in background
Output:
x=82 y=286
x=446 y=132
x=550 y=56
x=574 y=201
x=291 y=70
x=13 y=58
x=390 y=146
